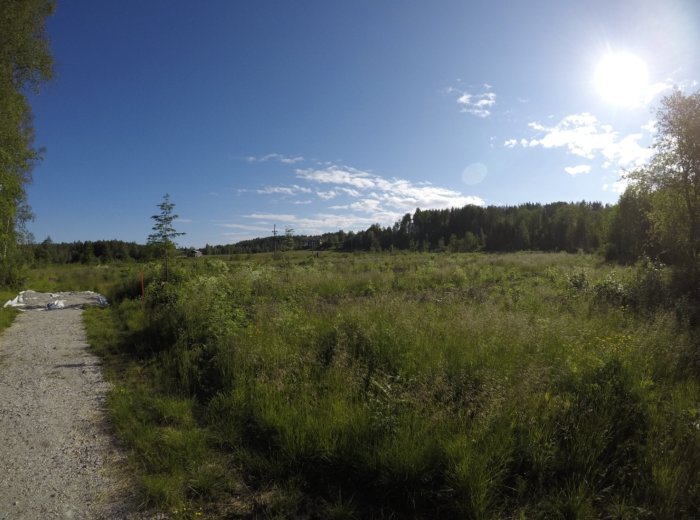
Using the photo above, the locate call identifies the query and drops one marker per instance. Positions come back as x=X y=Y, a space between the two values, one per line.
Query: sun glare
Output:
x=622 y=79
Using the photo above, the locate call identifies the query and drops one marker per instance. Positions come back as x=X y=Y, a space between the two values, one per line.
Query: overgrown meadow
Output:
x=404 y=386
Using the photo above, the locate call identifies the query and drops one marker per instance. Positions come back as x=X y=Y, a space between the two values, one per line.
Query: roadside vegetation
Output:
x=406 y=386
x=7 y=315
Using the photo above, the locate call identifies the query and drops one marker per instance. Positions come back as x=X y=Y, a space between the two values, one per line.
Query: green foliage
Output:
x=164 y=233
x=410 y=386
x=667 y=191
x=538 y=227
x=24 y=62
x=629 y=235
x=7 y=315
x=171 y=454
x=288 y=244
x=88 y=252
x=114 y=279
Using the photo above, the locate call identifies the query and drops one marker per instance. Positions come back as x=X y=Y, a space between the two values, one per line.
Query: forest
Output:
x=558 y=226
x=561 y=226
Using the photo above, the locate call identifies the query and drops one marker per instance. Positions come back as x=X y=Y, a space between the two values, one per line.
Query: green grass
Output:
x=172 y=463
x=104 y=279
x=7 y=315
x=405 y=386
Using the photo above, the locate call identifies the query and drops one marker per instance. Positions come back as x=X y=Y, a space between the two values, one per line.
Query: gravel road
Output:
x=57 y=457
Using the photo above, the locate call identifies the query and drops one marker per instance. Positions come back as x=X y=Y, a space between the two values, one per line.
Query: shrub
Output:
x=611 y=290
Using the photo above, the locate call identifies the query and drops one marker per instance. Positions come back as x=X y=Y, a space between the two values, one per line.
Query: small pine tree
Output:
x=164 y=232
x=288 y=239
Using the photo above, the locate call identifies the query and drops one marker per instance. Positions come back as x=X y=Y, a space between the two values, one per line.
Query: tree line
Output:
x=560 y=226
x=550 y=227
x=87 y=252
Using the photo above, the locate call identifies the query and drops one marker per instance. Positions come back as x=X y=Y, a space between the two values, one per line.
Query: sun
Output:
x=622 y=79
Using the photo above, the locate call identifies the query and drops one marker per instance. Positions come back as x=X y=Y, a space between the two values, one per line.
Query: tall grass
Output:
x=104 y=279
x=7 y=315
x=409 y=385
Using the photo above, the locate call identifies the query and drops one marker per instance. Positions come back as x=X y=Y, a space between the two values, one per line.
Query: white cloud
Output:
x=655 y=89
x=511 y=143
x=283 y=190
x=618 y=186
x=366 y=205
x=327 y=195
x=577 y=170
x=628 y=152
x=360 y=198
x=398 y=194
x=650 y=126
x=349 y=191
x=284 y=159
x=273 y=216
x=584 y=136
x=364 y=198
x=244 y=227
x=337 y=175
x=579 y=133
x=327 y=222
x=478 y=105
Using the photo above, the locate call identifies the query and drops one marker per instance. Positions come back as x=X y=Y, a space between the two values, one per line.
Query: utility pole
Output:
x=274 y=238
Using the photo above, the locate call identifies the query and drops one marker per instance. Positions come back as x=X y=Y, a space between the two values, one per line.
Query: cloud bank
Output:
x=345 y=198
x=584 y=136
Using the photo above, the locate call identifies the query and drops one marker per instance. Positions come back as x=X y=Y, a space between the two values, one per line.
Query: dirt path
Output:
x=57 y=459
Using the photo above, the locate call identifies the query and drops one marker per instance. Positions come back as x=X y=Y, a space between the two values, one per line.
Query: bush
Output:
x=611 y=290
x=650 y=288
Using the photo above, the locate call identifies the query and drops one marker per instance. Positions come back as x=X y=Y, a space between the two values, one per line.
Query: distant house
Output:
x=198 y=253
x=313 y=243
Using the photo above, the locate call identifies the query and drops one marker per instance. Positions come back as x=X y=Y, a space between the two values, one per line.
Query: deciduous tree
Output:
x=25 y=62
x=672 y=182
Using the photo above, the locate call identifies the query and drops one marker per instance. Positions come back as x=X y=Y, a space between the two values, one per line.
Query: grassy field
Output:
x=403 y=386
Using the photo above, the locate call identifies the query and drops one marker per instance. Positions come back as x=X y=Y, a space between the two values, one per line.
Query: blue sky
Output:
x=322 y=115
